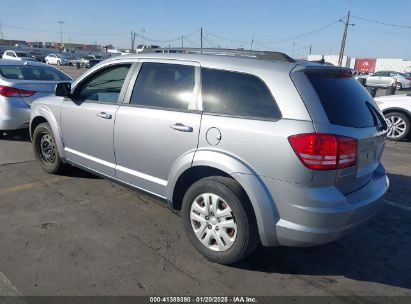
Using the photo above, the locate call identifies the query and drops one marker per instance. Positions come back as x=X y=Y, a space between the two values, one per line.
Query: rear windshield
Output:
x=27 y=72
x=344 y=100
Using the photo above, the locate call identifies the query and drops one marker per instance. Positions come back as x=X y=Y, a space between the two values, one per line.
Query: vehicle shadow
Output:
x=378 y=252
x=72 y=171
x=17 y=135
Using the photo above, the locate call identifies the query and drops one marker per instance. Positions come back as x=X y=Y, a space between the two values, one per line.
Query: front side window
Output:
x=168 y=86
x=104 y=86
x=237 y=94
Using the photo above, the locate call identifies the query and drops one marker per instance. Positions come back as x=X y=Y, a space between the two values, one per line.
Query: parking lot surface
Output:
x=77 y=234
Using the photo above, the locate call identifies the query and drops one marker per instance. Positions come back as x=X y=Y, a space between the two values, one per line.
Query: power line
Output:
x=58 y=32
x=382 y=23
x=306 y=34
x=166 y=40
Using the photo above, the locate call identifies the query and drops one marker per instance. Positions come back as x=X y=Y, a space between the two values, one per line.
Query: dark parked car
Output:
x=38 y=56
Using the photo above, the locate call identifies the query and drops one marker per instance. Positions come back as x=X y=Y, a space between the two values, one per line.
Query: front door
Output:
x=158 y=125
x=88 y=118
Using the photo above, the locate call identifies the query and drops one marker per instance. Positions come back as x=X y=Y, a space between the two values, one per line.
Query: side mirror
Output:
x=63 y=89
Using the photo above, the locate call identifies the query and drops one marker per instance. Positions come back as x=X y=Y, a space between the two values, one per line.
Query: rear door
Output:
x=158 y=124
x=341 y=105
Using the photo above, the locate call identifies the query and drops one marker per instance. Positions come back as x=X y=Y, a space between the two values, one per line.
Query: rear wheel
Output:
x=398 y=125
x=219 y=220
x=58 y=62
x=45 y=149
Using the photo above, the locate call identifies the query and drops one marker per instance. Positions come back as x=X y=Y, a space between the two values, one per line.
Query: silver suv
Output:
x=251 y=151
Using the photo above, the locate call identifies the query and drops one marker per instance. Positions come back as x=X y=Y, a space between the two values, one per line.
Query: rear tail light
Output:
x=408 y=78
x=13 y=92
x=320 y=151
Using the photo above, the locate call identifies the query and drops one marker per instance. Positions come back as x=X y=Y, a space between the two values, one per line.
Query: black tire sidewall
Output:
x=245 y=231
x=48 y=167
x=407 y=123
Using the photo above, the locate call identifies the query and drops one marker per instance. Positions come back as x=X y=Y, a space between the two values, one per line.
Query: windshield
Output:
x=31 y=72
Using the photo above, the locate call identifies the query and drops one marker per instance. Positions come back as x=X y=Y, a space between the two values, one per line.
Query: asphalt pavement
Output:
x=77 y=234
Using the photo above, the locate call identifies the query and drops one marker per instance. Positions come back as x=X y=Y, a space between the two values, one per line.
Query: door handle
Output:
x=104 y=115
x=182 y=128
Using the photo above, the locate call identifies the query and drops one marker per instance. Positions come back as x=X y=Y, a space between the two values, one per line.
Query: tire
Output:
x=398 y=126
x=398 y=86
x=45 y=149
x=241 y=233
x=58 y=62
x=47 y=62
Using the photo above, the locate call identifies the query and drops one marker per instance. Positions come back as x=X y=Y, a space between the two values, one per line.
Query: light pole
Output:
x=60 y=22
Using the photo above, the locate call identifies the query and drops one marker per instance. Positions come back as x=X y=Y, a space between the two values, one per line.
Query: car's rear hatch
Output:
x=339 y=104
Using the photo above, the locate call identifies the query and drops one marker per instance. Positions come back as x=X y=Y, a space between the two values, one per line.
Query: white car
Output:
x=56 y=59
x=383 y=79
x=397 y=112
x=146 y=47
x=18 y=55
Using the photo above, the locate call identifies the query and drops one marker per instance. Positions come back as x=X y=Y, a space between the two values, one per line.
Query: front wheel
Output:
x=219 y=220
x=398 y=125
x=45 y=149
x=398 y=86
x=47 y=62
x=58 y=62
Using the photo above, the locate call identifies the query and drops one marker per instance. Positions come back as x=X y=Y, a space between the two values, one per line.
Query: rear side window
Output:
x=28 y=72
x=161 y=85
x=237 y=94
x=344 y=100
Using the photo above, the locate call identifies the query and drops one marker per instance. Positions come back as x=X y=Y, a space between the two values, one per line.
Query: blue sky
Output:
x=273 y=24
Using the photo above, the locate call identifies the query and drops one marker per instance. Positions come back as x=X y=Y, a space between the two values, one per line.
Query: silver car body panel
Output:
x=293 y=205
x=15 y=111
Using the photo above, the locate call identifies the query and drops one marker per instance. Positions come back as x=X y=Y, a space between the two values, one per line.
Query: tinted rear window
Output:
x=27 y=72
x=237 y=94
x=344 y=100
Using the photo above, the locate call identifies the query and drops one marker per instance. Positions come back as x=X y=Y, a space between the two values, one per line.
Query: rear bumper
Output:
x=14 y=114
x=326 y=214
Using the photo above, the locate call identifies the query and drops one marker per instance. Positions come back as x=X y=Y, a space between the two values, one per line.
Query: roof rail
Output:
x=268 y=55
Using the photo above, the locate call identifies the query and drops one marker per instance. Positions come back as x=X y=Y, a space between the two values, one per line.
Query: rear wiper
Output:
x=377 y=115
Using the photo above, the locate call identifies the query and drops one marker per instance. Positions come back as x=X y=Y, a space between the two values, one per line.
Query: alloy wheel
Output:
x=396 y=126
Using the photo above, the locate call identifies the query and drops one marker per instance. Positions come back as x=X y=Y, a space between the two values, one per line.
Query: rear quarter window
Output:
x=237 y=94
x=344 y=99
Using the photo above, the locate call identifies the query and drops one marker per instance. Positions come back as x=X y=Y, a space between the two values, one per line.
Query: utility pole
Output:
x=311 y=47
x=133 y=36
x=201 y=40
x=252 y=41
x=344 y=39
x=60 y=22
x=292 y=56
x=182 y=42
x=1 y=31
x=143 y=32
